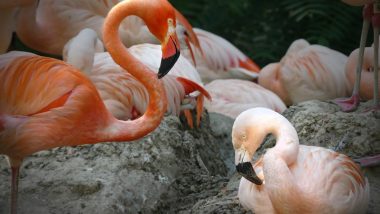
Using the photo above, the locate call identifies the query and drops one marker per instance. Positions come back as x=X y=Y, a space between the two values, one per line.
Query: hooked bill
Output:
x=246 y=170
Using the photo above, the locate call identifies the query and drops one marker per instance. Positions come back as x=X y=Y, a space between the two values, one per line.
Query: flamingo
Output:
x=233 y=96
x=293 y=178
x=366 y=84
x=371 y=13
x=46 y=103
x=216 y=58
x=122 y=94
x=307 y=72
x=47 y=25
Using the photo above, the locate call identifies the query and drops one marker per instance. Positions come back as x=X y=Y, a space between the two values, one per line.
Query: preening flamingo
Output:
x=293 y=178
x=231 y=97
x=307 y=72
x=371 y=13
x=217 y=58
x=47 y=25
x=45 y=103
x=122 y=94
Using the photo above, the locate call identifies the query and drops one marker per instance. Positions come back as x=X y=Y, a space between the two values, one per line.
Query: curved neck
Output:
x=27 y=27
x=131 y=130
x=287 y=142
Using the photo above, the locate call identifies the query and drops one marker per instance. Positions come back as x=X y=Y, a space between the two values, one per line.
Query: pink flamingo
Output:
x=307 y=72
x=217 y=58
x=293 y=178
x=230 y=97
x=45 y=103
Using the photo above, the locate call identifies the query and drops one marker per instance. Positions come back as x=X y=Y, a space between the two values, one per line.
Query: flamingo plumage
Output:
x=231 y=97
x=217 y=58
x=46 y=103
x=123 y=95
x=8 y=11
x=293 y=178
x=47 y=25
x=367 y=84
x=307 y=72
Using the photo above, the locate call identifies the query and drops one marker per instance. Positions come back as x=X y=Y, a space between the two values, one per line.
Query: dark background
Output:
x=264 y=29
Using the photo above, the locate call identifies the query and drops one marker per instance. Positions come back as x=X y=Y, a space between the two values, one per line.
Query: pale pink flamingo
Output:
x=371 y=14
x=46 y=103
x=122 y=94
x=47 y=25
x=307 y=72
x=366 y=84
x=231 y=97
x=217 y=58
x=293 y=178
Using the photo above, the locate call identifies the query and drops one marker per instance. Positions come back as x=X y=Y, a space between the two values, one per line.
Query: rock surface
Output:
x=176 y=170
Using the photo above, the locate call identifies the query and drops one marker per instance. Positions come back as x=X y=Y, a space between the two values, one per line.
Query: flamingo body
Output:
x=307 y=72
x=233 y=96
x=219 y=58
x=366 y=82
x=296 y=178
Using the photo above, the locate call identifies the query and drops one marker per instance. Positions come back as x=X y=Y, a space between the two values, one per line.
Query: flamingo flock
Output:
x=121 y=72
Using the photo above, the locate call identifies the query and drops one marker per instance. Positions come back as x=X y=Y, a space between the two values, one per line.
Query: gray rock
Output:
x=174 y=169
x=119 y=177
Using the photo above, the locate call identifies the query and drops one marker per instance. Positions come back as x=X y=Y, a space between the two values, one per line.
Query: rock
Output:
x=119 y=177
x=174 y=169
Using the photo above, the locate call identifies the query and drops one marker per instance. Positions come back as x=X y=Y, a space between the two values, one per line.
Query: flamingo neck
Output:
x=287 y=143
x=27 y=24
x=131 y=130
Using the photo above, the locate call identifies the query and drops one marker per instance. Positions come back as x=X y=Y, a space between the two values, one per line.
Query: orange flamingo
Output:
x=371 y=13
x=122 y=94
x=216 y=58
x=45 y=103
x=307 y=72
x=293 y=178
x=230 y=97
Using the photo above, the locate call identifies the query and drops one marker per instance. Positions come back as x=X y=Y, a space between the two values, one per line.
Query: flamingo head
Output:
x=246 y=138
x=161 y=21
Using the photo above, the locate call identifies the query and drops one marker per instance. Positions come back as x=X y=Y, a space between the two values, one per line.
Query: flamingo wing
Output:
x=233 y=96
x=18 y=68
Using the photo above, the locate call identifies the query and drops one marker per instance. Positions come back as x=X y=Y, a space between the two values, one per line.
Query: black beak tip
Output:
x=246 y=170
x=167 y=64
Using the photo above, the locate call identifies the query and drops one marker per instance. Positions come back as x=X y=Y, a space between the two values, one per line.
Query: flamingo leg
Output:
x=189 y=118
x=370 y=161
x=350 y=104
x=14 y=188
x=199 y=109
x=376 y=28
x=15 y=168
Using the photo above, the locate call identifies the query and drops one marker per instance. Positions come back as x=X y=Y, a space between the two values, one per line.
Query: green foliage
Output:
x=265 y=29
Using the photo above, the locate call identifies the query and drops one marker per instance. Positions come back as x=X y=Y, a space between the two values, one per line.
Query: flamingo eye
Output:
x=170 y=22
x=243 y=137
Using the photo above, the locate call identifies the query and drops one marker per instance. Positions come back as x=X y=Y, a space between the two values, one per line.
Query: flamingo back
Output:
x=233 y=96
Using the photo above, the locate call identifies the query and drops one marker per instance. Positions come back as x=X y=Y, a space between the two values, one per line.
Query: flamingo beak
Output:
x=170 y=54
x=244 y=167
